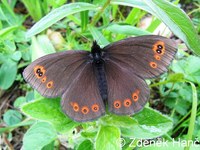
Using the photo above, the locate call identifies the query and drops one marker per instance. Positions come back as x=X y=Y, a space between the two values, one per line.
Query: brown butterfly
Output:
x=114 y=76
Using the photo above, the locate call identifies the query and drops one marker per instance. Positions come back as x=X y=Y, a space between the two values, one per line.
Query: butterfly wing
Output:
x=146 y=56
x=50 y=75
x=82 y=100
x=127 y=92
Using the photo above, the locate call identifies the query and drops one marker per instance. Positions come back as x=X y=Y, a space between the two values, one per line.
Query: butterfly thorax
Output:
x=96 y=53
x=99 y=68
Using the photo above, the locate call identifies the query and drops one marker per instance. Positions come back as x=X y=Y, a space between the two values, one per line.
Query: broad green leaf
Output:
x=138 y=4
x=119 y=121
x=12 y=117
x=177 y=77
x=177 y=21
x=10 y=46
x=172 y=16
x=19 y=101
x=89 y=134
x=108 y=138
x=8 y=72
x=58 y=14
x=126 y=29
x=151 y=124
x=86 y=145
x=16 y=55
x=41 y=46
x=98 y=36
x=39 y=135
x=49 y=146
x=189 y=67
x=49 y=110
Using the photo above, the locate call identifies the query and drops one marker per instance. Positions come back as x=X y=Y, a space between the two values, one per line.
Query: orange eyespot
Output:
x=95 y=107
x=49 y=84
x=127 y=102
x=153 y=65
x=135 y=95
x=75 y=107
x=159 y=47
x=117 y=104
x=85 y=110
x=39 y=71
x=44 y=79
x=157 y=57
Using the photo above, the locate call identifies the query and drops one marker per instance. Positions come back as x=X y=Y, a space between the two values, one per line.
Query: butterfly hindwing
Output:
x=127 y=92
x=82 y=100
x=51 y=74
x=146 y=56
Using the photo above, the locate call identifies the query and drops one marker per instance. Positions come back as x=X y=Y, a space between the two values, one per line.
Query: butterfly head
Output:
x=96 y=52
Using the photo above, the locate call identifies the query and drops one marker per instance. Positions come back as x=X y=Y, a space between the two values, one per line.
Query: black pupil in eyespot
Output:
x=159 y=46
x=117 y=104
x=40 y=74
x=95 y=108
x=38 y=70
x=127 y=103
x=158 y=51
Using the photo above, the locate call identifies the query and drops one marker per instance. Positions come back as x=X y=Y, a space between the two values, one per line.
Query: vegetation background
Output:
x=30 y=29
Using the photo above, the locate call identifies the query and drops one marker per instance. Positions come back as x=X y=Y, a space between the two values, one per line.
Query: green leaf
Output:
x=137 y=4
x=49 y=110
x=172 y=16
x=12 y=117
x=177 y=21
x=10 y=128
x=16 y=56
x=151 y=124
x=177 y=77
x=193 y=115
x=19 y=101
x=36 y=11
x=189 y=68
x=97 y=36
x=39 y=135
x=88 y=134
x=119 y=121
x=8 y=72
x=108 y=138
x=58 y=14
x=126 y=29
x=6 y=31
x=86 y=145
x=41 y=46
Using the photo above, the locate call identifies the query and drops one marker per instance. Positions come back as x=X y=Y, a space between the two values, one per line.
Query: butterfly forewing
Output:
x=127 y=92
x=50 y=75
x=146 y=56
x=114 y=75
x=82 y=101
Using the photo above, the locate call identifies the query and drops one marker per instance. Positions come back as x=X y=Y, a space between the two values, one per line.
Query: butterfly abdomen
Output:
x=98 y=64
x=101 y=79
